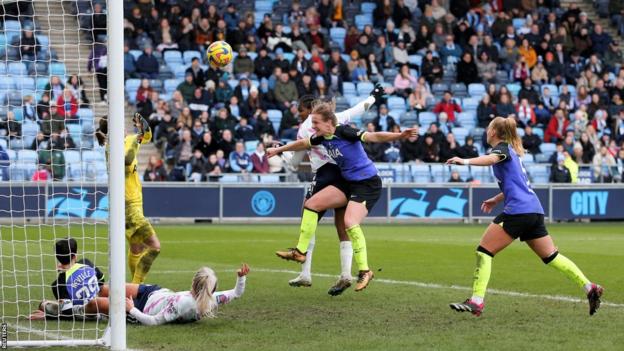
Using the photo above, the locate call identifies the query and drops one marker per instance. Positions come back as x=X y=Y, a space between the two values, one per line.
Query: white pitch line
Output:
x=419 y=284
x=38 y=332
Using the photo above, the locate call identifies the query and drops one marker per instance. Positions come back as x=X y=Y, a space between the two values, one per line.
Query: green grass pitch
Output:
x=419 y=269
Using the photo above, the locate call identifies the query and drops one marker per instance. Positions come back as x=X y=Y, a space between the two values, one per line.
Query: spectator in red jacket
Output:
x=556 y=127
x=67 y=105
x=449 y=106
x=260 y=160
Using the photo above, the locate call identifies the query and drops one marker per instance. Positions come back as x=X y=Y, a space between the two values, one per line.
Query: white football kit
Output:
x=166 y=306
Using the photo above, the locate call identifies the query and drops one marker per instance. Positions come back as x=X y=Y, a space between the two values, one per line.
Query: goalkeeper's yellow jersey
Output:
x=134 y=192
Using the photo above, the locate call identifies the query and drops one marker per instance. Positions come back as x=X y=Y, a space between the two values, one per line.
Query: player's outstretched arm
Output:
x=224 y=297
x=143 y=318
x=485 y=160
x=384 y=137
x=299 y=145
x=144 y=132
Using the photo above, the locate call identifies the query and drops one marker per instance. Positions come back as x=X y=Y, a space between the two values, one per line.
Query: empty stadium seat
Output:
x=548 y=148
x=171 y=85
x=172 y=58
x=269 y=178
x=408 y=119
x=368 y=7
x=420 y=173
x=527 y=159
x=464 y=172
x=440 y=173
x=476 y=89
x=460 y=134
x=190 y=54
x=470 y=103
x=426 y=118
x=539 y=173
x=364 y=88
x=415 y=60
x=467 y=119
x=27 y=156
x=439 y=88
x=348 y=88
x=17 y=69
x=396 y=103
x=363 y=20
x=459 y=89
x=57 y=69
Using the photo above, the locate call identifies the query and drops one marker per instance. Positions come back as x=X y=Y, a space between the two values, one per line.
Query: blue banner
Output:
x=481 y=194
x=262 y=202
x=429 y=202
x=593 y=203
x=183 y=202
x=22 y=201
x=67 y=201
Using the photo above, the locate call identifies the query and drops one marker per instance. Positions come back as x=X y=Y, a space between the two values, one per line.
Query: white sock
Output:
x=477 y=299
x=346 y=258
x=587 y=287
x=306 y=269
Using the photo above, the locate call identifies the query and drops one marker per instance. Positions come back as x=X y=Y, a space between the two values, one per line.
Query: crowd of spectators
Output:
x=553 y=69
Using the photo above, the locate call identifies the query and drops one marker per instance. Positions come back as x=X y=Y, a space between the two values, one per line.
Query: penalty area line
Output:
x=421 y=285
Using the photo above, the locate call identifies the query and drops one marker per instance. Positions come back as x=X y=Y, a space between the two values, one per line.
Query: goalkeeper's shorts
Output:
x=138 y=228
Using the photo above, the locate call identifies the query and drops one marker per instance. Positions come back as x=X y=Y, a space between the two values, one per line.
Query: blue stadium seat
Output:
x=3 y=67
x=73 y=171
x=190 y=54
x=459 y=90
x=527 y=159
x=72 y=156
x=171 y=85
x=25 y=83
x=136 y=54
x=520 y=132
x=132 y=85
x=29 y=132
x=233 y=83
x=482 y=174
x=518 y=23
x=250 y=146
x=17 y=69
x=408 y=119
x=93 y=156
x=415 y=60
x=571 y=89
x=439 y=88
x=554 y=91
x=460 y=134
x=548 y=148
x=539 y=132
x=368 y=7
x=274 y=116
x=354 y=100
x=269 y=178
x=476 y=89
x=289 y=56
x=6 y=83
x=539 y=173
x=41 y=82
x=426 y=118
x=58 y=69
x=440 y=173
x=229 y=178
x=172 y=58
x=75 y=130
x=348 y=88
x=420 y=173
x=11 y=153
x=85 y=114
x=264 y=6
x=27 y=156
x=470 y=103
x=467 y=120
x=542 y=158
x=364 y=88
x=16 y=173
x=396 y=103
x=338 y=34
x=514 y=88
x=363 y=20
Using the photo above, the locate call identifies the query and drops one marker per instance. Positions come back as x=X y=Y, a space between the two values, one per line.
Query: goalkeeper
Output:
x=144 y=244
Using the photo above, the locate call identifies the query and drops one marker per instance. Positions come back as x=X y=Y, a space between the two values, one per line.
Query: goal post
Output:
x=55 y=180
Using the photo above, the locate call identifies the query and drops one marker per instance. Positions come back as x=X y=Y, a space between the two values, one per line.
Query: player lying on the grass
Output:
x=328 y=188
x=153 y=305
x=144 y=244
x=344 y=145
x=522 y=217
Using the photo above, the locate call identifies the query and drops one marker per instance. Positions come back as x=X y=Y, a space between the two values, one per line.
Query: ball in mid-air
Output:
x=219 y=54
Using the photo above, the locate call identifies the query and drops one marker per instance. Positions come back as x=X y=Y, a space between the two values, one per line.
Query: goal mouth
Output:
x=54 y=174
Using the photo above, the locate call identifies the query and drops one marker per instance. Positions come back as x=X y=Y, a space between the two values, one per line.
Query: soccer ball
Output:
x=219 y=54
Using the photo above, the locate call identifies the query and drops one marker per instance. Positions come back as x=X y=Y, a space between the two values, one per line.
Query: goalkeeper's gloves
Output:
x=378 y=92
x=141 y=124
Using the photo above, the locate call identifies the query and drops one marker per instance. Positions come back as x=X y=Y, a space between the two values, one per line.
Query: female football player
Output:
x=522 y=217
x=343 y=145
x=328 y=188
x=153 y=305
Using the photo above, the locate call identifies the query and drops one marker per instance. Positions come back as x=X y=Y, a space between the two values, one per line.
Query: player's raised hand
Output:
x=243 y=270
x=455 y=161
x=272 y=151
x=408 y=133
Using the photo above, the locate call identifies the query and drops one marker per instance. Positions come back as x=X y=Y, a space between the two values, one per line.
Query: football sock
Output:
x=481 y=275
x=346 y=258
x=144 y=265
x=359 y=247
x=568 y=268
x=309 y=221
x=306 y=269
x=133 y=259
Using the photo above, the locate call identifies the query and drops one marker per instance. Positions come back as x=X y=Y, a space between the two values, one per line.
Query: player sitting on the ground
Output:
x=144 y=244
x=153 y=305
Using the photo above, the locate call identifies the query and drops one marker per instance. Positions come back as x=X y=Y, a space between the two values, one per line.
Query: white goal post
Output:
x=55 y=180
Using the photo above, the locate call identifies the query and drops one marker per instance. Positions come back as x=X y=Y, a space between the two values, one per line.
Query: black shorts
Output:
x=328 y=174
x=366 y=191
x=526 y=226
x=143 y=294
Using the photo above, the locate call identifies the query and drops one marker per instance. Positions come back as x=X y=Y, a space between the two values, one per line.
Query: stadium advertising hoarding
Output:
x=162 y=200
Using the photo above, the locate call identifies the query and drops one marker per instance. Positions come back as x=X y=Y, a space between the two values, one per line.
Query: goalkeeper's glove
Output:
x=141 y=124
x=378 y=92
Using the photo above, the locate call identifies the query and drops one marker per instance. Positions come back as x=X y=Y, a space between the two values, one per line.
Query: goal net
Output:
x=54 y=177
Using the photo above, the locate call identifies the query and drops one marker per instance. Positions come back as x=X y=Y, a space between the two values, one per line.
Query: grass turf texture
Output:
x=387 y=316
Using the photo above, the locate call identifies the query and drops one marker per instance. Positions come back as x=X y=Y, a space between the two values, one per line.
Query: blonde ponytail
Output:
x=202 y=289
x=506 y=130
